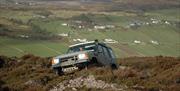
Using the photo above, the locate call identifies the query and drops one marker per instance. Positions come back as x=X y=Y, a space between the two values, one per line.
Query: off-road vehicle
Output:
x=82 y=55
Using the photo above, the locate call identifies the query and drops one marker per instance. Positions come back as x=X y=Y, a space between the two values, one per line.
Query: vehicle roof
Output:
x=82 y=43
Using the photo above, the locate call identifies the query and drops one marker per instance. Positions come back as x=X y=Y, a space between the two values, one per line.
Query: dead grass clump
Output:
x=115 y=76
x=154 y=73
x=33 y=73
x=27 y=56
x=17 y=71
x=125 y=73
x=2 y=62
x=35 y=88
x=173 y=88
x=35 y=60
x=7 y=62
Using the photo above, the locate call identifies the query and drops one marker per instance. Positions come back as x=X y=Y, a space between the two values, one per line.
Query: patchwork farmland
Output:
x=49 y=32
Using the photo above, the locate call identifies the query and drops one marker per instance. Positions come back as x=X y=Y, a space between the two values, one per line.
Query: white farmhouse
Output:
x=99 y=27
x=80 y=40
x=63 y=35
x=166 y=22
x=110 y=41
x=154 y=42
x=137 y=42
x=64 y=24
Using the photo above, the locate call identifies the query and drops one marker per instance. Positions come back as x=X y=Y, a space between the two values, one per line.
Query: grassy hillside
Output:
x=38 y=31
x=92 y=5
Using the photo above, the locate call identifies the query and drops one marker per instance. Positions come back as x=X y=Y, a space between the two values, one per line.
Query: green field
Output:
x=14 y=47
x=167 y=35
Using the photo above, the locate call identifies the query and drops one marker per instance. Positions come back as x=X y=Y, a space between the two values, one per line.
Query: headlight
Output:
x=82 y=56
x=55 y=61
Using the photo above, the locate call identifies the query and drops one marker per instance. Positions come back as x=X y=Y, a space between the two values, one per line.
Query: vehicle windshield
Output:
x=85 y=47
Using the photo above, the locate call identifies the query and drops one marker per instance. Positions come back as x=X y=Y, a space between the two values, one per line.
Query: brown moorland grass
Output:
x=33 y=73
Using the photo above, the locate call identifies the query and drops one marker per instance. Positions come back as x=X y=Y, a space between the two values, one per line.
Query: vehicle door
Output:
x=107 y=57
x=113 y=57
x=100 y=56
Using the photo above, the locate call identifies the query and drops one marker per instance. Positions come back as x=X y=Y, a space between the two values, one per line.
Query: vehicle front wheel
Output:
x=58 y=71
x=114 y=66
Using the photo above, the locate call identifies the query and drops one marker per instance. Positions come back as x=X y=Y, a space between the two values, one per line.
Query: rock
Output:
x=74 y=89
x=88 y=82
x=45 y=79
x=30 y=82
x=137 y=41
x=136 y=87
x=123 y=67
x=145 y=75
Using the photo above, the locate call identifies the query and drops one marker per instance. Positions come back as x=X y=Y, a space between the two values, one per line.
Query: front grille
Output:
x=73 y=58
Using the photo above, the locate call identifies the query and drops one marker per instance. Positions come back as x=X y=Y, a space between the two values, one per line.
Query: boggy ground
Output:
x=32 y=73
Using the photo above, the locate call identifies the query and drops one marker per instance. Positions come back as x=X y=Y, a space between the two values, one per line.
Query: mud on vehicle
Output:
x=82 y=55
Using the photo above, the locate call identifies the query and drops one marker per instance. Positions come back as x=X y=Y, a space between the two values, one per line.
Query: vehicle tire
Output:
x=82 y=66
x=58 y=71
x=94 y=62
x=114 y=66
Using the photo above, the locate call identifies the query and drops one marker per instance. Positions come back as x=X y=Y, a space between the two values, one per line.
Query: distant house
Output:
x=64 y=24
x=166 y=22
x=147 y=23
x=77 y=21
x=99 y=27
x=80 y=26
x=137 y=42
x=63 y=35
x=16 y=3
x=110 y=26
x=80 y=40
x=110 y=41
x=134 y=25
x=155 y=21
x=24 y=36
x=154 y=42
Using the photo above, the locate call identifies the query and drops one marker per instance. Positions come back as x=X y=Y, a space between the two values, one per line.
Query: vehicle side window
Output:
x=106 y=52
x=69 y=50
x=91 y=47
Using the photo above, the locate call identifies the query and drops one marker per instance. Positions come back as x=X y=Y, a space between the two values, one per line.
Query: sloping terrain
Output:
x=33 y=73
x=47 y=27
x=93 y=5
x=49 y=32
